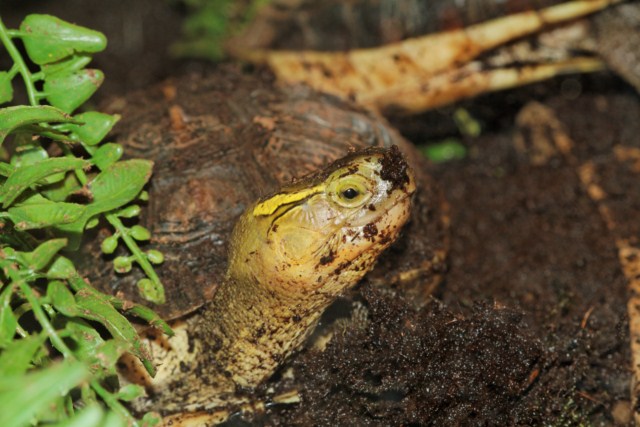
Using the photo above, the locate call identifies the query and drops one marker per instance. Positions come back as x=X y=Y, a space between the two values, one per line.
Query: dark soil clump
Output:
x=407 y=367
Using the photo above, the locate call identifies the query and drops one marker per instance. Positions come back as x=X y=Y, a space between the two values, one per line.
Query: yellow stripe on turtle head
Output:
x=272 y=204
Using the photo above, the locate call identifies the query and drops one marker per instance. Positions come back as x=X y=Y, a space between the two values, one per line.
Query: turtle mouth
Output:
x=365 y=245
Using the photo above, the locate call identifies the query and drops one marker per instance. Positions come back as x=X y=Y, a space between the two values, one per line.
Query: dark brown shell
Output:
x=221 y=141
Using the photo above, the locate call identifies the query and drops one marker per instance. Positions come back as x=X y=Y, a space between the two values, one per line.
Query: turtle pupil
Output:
x=350 y=193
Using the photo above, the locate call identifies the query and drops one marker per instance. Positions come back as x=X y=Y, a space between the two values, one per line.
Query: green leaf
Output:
x=6 y=88
x=139 y=232
x=150 y=290
x=109 y=245
x=151 y=419
x=119 y=184
x=23 y=177
x=108 y=353
x=23 y=397
x=87 y=339
x=62 y=298
x=8 y=321
x=130 y=392
x=445 y=151
x=59 y=191
x=92 y=223
x=5 y=169
x=71 y=64
x=466 y=123
x=12 y=118
x=49 y=39
x=94 y=126
x=39 y=212
x=107 y=155
x=61 y=268
x=95 y=306
x=114 y=187
x=91 y=416
x=41 y=256
x=29 y=155
x=122 y=264
x=94 y=416
x=43 y=131
x=129 y=211
x=69 y=90
x=155 y=257
x=16 y=358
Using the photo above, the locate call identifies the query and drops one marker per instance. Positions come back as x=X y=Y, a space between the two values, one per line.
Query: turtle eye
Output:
x=351 y=192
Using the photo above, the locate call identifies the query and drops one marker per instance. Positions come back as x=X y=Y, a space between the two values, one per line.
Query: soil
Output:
x=529 y=326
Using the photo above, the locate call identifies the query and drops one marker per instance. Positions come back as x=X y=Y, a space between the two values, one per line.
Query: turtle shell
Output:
x=220 y=142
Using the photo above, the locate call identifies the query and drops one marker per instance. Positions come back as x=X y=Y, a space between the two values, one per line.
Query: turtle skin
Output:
x=221 y=141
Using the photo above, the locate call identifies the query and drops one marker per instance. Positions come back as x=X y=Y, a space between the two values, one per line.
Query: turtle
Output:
x=230 y=147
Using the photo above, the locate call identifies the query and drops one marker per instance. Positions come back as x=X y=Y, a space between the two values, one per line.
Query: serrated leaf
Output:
x=23 y=177
x=95 y=126
x=23 y=397
x=16 y=357
x=107 y=155
x=49 y=39
x=68 y=91
x=43 y=213
x=12 y=118
x=6 y=88
x=71 y=64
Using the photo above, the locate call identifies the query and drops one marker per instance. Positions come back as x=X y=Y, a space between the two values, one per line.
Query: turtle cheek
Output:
x=299 y=235
x=295 y=246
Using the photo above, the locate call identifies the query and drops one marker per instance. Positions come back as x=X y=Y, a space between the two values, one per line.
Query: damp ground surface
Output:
x=529 y=324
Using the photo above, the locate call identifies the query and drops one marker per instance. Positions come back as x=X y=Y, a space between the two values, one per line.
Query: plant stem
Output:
x=113 y=403
x=141 y=259
x=41 y=317
x=82 y=177
x=19 y=62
